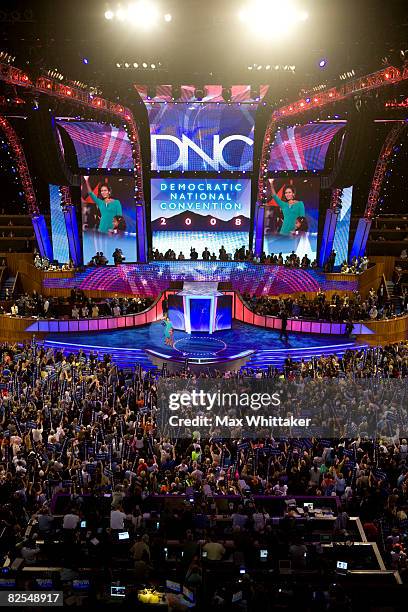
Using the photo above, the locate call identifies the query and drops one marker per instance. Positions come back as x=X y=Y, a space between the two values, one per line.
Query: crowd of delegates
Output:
x=79 y=425
x=337 y=308
x=278 y=259
x=78 y=306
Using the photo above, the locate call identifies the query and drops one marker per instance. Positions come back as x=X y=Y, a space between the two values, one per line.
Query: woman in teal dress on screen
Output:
x=108 y=207
x=290 y=207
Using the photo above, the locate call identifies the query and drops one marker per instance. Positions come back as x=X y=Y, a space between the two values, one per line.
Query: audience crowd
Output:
x=77 y=307
x=77 y=425
x=353 y=307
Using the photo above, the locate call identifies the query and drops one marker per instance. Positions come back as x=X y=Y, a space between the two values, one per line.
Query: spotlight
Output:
x=144 y=65
x=323 y=63
x=118 y=65
x=250 y=67
x=153 y=66
x=168 y=17
x=267 y=67
x=258 y=15
x=109 y=15
x=144 y=14
x=259 y=67
x=135 y=65
x=85 y=60
x=127 y=65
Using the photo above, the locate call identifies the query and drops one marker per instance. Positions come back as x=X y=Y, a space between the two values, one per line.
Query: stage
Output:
x=127 y=346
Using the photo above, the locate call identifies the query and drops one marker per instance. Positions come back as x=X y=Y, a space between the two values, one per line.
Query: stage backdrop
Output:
x=98 y=145
x=201 y=137
x=200 y=212
x=294 y=228
x=302 y=147
x=105 y=228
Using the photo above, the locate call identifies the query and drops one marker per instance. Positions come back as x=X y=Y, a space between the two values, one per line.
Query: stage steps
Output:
x=9 y=284
x=123 y=357
x=276 y=357
x=261 y=360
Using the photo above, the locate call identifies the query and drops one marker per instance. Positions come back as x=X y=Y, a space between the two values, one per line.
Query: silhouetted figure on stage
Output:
x=284 y=321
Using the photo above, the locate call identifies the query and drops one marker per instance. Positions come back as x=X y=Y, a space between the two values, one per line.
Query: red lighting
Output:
x=23 y=170
x=331 y=94
x=315 y=99
x=387 y=75
x=291 y=108
x=302 y=104
x=69 y=92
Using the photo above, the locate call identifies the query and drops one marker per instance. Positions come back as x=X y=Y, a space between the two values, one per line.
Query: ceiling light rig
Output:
x=273 y=67
x=143 y=14
x=349 y=74
x=139 y=65
x=55 y=74
x=6 y=58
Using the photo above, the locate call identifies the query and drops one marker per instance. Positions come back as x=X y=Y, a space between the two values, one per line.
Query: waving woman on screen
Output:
x=291 y=208
x=108 y=207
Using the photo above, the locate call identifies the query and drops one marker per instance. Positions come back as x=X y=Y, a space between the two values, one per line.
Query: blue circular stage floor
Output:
x=127 y=346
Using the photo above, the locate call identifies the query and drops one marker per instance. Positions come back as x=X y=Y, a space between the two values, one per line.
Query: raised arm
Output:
x=271 y=183
x=87 y=184
x=275 y=196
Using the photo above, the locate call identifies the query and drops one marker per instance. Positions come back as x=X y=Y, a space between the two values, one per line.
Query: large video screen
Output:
x=200 y=213
x=302 y=147
x=108 y=216
x=342 y=235
x=60 y=244
x=98 y=145
x=292 y=216
x=201 y=137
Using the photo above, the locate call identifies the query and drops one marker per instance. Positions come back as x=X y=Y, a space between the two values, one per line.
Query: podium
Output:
x=200 y=307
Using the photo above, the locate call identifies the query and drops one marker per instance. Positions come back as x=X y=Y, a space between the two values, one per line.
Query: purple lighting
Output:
x=323 y=63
